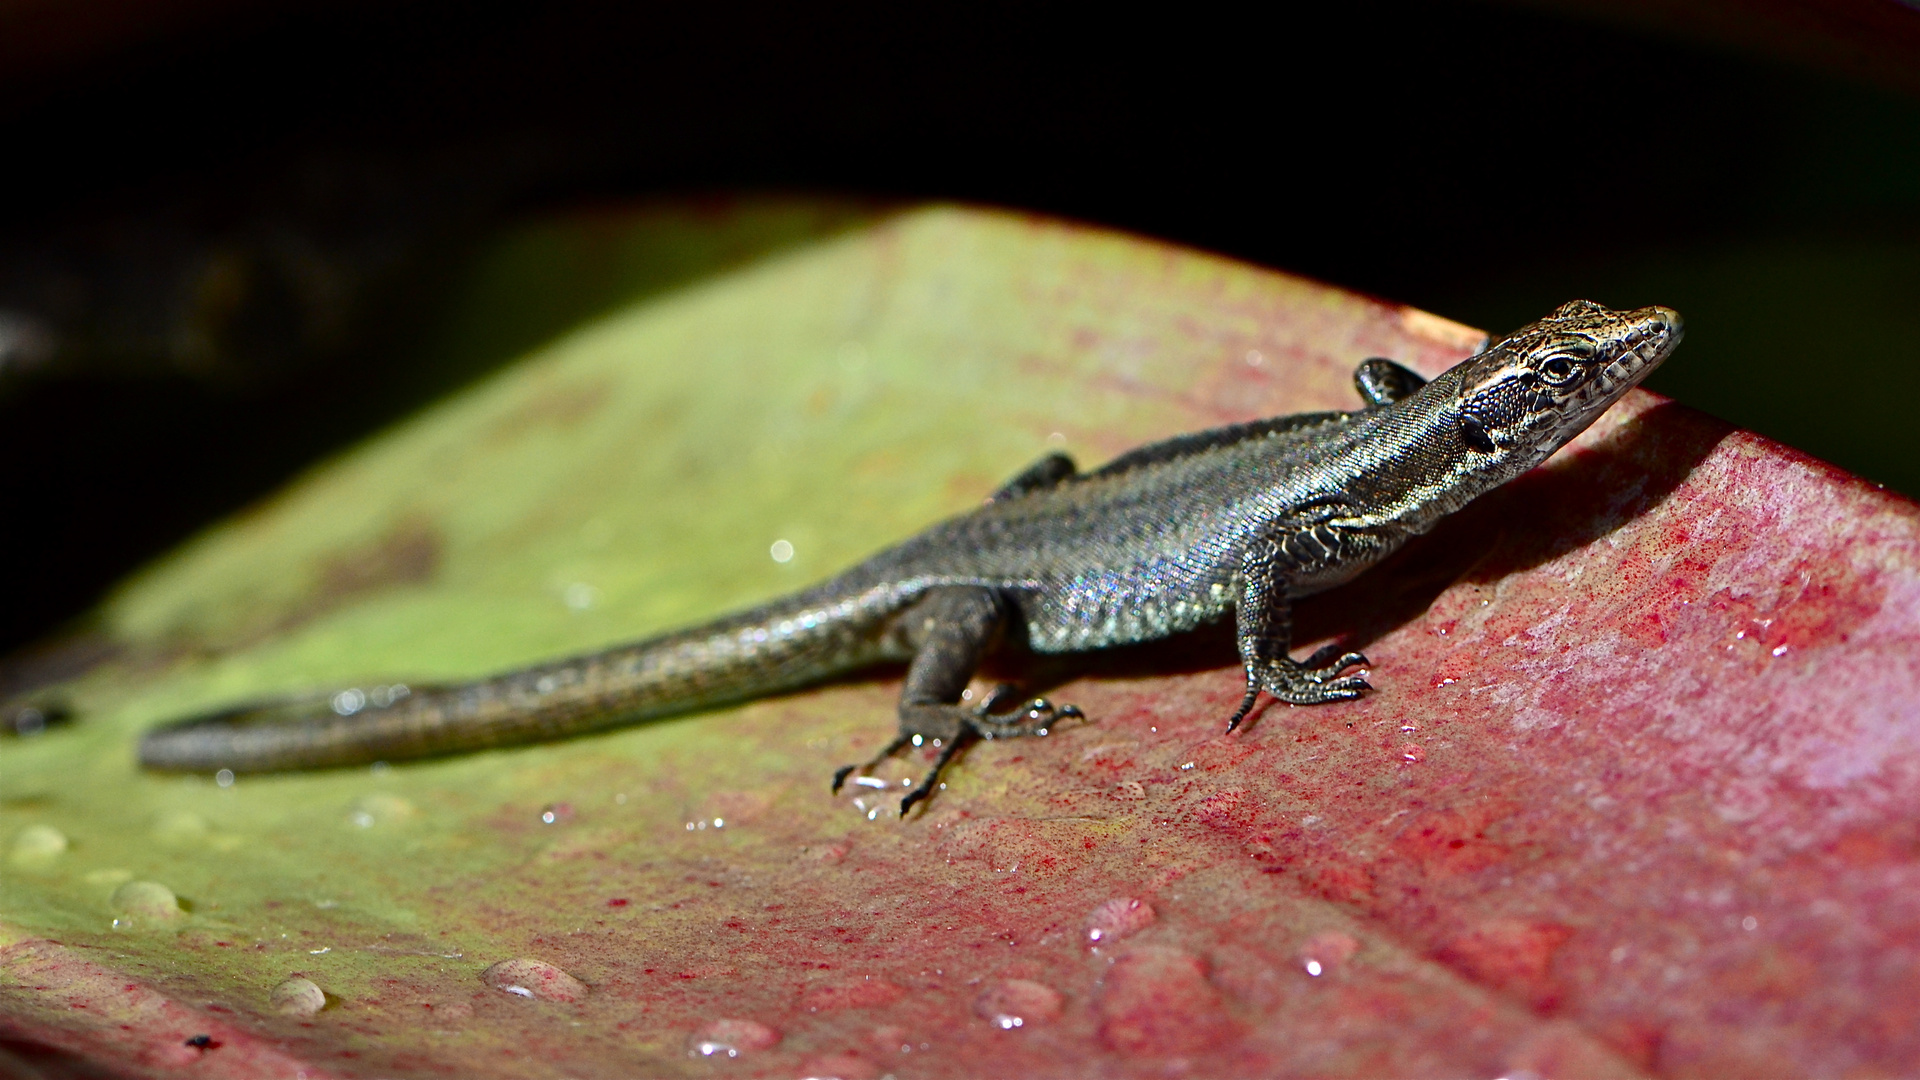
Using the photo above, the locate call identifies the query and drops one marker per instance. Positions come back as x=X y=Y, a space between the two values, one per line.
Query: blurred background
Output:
x=237 y=236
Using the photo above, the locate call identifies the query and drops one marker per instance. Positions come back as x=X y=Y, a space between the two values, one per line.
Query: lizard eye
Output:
x=1474 y=434
x=1558 y=371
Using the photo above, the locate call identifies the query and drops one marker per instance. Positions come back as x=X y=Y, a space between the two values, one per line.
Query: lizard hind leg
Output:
x=1382 y=382
x=1048 y=472
x=951 y=629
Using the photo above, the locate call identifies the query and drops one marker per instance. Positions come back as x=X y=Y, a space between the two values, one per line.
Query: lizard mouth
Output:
x=1647 y=341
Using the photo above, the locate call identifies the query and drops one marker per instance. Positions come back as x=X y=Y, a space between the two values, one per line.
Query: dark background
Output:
x=222 y=225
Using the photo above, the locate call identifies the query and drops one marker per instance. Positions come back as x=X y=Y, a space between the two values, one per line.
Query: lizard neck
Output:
x=1414 y=469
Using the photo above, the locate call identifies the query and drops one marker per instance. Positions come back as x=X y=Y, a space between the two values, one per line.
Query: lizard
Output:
x=1236 y=521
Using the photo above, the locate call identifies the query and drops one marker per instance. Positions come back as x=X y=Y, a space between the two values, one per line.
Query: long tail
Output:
x=759 y=652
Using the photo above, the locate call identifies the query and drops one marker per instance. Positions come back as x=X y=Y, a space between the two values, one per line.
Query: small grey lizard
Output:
x=1239 y=520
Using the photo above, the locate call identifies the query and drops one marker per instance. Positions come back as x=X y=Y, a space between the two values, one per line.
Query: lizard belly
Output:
x=1145 y=602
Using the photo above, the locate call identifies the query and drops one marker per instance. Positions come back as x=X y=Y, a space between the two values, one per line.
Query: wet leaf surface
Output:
x=1634 y=796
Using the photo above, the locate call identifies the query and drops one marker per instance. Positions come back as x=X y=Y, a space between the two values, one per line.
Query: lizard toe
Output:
x=1341 y=664
x=840 y=776
x=1331 y=658
x=1035 y=718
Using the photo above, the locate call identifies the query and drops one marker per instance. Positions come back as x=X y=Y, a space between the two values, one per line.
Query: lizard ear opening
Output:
x=1474 y=434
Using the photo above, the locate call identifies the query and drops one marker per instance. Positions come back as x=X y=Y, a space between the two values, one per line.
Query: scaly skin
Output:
x=1161 y=540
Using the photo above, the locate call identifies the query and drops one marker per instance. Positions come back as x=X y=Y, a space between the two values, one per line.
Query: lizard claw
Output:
x=840 y=776
x=1346 y=689
x=926 y=785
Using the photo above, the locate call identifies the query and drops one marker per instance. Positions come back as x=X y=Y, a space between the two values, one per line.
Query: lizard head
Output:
x=1532 y=391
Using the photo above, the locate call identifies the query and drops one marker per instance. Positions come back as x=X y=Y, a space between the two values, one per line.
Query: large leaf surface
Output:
x=1634 y=795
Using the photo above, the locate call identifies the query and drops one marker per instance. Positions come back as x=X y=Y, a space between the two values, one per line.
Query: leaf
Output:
x=1634 y=795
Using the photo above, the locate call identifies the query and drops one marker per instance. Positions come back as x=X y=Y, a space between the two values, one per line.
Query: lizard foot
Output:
x=948 y=727
x=1036 y=717
x=947 y=747
x=1320 y=679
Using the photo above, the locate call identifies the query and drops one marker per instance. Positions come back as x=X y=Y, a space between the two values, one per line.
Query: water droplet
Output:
x=1749 y=923
x=1413 y=754
x=1779 y=650
x=782 y=551
x=556 y=813
x=180 y=827
x=596 y=533
x=1057 y=438
x=1255 y=358
x=870 y=781
x=146 y=900
x=1158 y=1001
x=533 y=979
x=1326 y=952
x=728 y=1037
x=620 y=799
x=29 y=721
x=1408 y=727
x=37 y=845
x=297 y=997
x=1118 y=918
x=349 y=701
x=1018 y=1003
x=580 y=596
x=224 y=778
x=370 y=810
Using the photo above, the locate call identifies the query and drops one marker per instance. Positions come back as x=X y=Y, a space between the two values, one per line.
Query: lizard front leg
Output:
x=1263 y=629
x=951 y=630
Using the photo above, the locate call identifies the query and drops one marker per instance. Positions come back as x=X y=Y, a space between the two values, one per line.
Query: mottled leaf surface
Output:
x=1634 y=797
